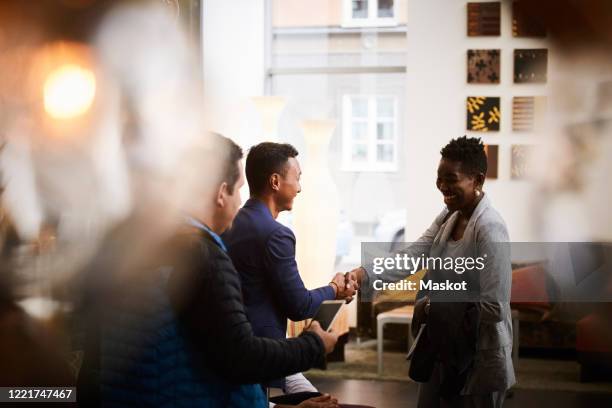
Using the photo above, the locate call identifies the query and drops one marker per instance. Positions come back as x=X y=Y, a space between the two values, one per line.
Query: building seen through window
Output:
x=345 y=60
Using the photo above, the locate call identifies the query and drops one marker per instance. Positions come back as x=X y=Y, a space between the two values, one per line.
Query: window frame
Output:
x=371 y=164
x=348 y=21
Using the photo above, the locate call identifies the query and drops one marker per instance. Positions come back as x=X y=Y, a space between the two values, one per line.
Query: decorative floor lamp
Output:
x=316 y=214
x=269 y=109
x=316 y=209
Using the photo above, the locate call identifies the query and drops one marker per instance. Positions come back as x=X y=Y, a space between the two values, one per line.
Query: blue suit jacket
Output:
x=263 y=252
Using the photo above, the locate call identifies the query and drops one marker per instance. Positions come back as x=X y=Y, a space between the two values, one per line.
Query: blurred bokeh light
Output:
x=69 y=91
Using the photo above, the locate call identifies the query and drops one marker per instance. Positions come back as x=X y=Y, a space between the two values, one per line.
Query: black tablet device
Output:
x=327 y=313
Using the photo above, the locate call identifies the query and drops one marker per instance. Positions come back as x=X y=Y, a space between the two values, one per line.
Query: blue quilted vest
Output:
x=145 y=360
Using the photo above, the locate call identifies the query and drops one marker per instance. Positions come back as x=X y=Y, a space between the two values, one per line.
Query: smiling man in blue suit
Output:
x=263 y=250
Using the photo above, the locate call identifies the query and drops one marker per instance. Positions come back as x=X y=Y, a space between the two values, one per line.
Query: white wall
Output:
x=437 y=89
x=233 y=47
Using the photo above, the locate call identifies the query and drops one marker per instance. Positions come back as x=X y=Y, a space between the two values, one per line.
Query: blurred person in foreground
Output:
x=176 y=334
x=464 y=358
x=31 y=353
x=263 y=252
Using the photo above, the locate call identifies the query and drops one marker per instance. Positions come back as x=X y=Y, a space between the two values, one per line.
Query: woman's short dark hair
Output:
x=265 y=159
x=469 y=151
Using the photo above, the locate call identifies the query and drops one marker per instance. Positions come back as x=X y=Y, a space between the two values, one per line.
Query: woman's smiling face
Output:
x=457 y=187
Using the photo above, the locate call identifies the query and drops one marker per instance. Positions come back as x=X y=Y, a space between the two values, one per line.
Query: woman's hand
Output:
x=355 y=277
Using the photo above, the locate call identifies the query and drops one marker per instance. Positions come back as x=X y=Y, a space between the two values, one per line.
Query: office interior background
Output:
x=368 y=91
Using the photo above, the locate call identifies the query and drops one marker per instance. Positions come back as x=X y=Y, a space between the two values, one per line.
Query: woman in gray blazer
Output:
x=469 y=226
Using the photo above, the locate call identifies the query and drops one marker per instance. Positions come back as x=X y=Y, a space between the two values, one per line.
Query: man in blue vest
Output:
x=177 y=334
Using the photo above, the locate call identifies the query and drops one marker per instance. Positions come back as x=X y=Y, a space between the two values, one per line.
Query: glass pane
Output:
x=385 y=8
x=384 y=131
x=359 y=107
x=385 y=108
x=352 y=165
x=384 y=153
x=359 y=131
x=324 y=42
x=360 y=9
x=311 y=34
x=360 y=152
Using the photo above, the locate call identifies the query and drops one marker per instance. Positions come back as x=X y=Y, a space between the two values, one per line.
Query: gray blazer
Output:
x=492 y=370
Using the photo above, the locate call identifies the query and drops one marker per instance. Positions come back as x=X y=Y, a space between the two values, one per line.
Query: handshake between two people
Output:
x=346 y=285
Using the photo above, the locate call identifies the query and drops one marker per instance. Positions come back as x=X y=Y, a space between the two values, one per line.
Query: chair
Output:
x=401 y=315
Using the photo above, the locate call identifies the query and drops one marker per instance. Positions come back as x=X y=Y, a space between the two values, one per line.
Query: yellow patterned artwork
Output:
x=483 y=114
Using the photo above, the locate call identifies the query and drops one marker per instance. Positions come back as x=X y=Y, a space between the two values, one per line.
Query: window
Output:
x=369 y=128
x=369 y=13
x=319 y=65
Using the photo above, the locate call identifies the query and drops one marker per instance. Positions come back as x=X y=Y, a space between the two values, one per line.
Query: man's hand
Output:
x=329 y=338
x=344 y=290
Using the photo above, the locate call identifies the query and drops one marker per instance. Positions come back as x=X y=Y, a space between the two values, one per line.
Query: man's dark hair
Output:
x=230 y=154
x=265 y=159
x=470 y=151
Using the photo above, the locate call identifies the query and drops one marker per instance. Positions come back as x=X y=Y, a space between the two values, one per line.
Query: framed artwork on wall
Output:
x=528 y=113
x=530 y=65
x=519 y=161
x=492 y=152
x=523 y=22
x=483 y=66
x=483 y=19
x=483 y=113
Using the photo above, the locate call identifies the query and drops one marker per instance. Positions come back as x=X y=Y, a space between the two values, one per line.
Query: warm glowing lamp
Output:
x=269 y=109
x=69 y=91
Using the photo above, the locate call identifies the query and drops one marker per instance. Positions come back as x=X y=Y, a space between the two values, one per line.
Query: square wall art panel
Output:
x=483 y=66
x=530 y=65
x=528 y=113
x=483 y=19
x=523 y=23
x=483 y=114
x=492 y=152
x=519 y=161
